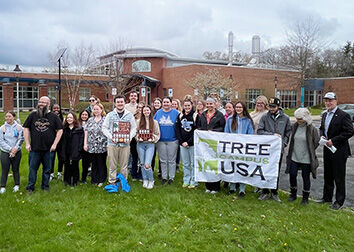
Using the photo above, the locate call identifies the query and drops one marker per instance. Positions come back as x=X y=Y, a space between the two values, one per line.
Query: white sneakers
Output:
x=51 y=177
x=145 y=183
x=59 y=175
x=16 y=188
x=148 y=184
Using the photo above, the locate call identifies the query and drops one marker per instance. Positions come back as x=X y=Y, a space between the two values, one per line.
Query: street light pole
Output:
x=59 y=55
x=18 y=71
x=275 y=86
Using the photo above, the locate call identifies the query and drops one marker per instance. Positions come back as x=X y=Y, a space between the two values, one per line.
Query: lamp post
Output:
x=17 y=71
x=59 y=55
x=275 y=86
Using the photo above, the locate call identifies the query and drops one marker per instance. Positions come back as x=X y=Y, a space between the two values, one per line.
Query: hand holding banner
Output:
x=249 y=159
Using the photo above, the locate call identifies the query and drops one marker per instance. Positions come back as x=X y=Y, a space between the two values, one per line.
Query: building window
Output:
x=84 y=94
x=52 y=94
x=313 y=98
x=141 y=66
x=251 y=95
x=288 y=98
x=1 y=98
x=28 y=97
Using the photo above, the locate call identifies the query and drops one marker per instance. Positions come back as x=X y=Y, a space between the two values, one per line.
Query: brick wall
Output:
x=343 y=87
x=244 y=78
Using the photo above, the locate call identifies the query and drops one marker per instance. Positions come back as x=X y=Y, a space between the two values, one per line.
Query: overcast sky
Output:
x=29 y=30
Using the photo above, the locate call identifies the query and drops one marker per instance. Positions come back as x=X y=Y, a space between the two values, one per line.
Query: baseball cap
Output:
x=330 y=95
x=274 y=101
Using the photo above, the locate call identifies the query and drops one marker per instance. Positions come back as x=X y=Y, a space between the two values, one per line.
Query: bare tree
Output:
x=76 y=62
x=304 y=42
x=212 y=81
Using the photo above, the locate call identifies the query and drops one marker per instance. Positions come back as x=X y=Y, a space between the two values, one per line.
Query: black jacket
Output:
x=185 y=126
x=217 y=122
x=72 y=143
x=339 y=131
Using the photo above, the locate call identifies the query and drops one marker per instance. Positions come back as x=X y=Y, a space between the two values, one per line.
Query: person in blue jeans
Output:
x=240 y=123
x=168 y=144
x=44 y=128
x=185 y=126
x=148 y=133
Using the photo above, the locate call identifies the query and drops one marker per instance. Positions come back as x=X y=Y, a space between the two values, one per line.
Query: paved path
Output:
x=317 y=184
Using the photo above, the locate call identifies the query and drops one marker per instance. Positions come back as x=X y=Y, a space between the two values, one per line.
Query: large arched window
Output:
x=141 y=66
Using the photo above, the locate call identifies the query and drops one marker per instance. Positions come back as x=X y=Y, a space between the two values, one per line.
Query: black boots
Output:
x=292 y=196
x=305 y=198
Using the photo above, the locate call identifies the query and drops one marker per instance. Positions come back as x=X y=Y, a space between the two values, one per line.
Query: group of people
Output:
x=133 y=132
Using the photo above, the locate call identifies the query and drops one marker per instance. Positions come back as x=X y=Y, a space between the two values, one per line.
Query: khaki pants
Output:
x=115 y=154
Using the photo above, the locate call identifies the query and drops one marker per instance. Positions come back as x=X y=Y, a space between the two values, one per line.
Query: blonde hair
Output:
x=263 y=99
x=103 y=113
x=179 y=107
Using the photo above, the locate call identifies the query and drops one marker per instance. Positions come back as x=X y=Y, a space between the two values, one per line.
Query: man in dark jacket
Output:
x=275 y=122
x=336 y=127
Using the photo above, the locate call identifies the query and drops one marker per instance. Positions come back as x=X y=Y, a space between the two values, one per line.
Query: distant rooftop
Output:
x=172 y=59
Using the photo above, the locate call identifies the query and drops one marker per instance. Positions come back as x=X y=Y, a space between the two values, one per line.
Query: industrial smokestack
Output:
x=256 y=48
x=231 y=39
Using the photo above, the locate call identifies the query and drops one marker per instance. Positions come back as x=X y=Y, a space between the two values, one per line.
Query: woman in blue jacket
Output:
x=240 y=123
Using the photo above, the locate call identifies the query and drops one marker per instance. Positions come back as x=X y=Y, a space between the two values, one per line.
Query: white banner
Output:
x=237 y=158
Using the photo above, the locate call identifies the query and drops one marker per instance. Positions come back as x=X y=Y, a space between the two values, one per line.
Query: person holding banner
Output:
x=240 y=123
x=148 y=133
x=212 y=120
x=185 y=126
x=260 y=110
x=302 y=154
x=229 y=110
x=168 y=144
x=277 y=123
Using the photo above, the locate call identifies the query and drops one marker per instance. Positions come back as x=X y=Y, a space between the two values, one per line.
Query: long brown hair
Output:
x=244 y=113
x=142 y=123
x=76 y=121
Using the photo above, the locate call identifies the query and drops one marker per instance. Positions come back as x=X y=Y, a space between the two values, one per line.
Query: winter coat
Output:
x=312 y=138
x=217 y=122
x=268 y=125
x=76 y=138
x=185 y=126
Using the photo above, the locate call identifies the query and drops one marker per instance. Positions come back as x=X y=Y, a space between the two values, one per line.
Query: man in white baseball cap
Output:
x=337 y=128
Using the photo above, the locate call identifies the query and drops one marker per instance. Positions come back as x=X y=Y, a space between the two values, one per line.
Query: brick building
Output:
x=34 y=85
x=156 y=72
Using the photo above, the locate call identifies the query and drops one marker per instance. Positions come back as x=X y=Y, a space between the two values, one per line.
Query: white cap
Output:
x=330 y=95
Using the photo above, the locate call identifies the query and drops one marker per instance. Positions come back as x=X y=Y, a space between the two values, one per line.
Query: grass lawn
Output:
x=167 y=218
x=314 y=111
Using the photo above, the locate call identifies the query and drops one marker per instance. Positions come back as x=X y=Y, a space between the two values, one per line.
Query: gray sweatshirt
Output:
x=11 y=136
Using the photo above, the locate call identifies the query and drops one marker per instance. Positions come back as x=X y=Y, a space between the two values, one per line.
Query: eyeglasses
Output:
x=92 y=100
